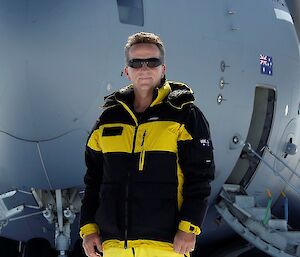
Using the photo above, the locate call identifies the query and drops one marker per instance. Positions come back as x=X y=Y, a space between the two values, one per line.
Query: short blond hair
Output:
x=144 y=37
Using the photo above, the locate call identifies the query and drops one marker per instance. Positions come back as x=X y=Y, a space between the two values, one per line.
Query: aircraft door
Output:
x=258 y=134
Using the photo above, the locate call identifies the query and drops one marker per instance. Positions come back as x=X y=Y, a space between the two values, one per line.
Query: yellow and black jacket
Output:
x=148 y=174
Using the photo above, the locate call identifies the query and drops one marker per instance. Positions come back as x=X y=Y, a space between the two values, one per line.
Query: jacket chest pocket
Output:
x=116 y=138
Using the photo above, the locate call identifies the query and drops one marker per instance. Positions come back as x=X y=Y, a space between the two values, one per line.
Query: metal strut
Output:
x=248 y=145
x=7 y=215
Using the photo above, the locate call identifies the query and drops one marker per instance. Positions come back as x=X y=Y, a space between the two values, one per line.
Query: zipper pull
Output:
x=142 y=154
x=143 y=139
x=142 y=160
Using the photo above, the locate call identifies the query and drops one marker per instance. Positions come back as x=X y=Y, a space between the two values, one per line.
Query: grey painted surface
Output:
x=59 y=58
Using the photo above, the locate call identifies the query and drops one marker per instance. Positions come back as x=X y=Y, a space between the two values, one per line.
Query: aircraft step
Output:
x=256 y=224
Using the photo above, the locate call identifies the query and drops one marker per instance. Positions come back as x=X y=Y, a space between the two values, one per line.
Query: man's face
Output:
x=145 y=77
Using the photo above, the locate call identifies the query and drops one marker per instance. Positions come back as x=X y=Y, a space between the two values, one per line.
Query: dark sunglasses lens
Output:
x=153 y=62
x=135 y=63
x=138 y=63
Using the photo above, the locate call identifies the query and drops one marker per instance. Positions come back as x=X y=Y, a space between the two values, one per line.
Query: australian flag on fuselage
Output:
x=266 y=64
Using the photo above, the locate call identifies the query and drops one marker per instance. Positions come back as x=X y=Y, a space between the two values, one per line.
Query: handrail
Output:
x=285 y=164
x=248 y=145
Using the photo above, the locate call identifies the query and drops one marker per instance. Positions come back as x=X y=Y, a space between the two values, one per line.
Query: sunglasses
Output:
x=150 y=63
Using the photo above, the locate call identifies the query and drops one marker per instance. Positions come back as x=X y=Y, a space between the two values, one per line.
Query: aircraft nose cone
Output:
x=39 y=104
x=49 y=69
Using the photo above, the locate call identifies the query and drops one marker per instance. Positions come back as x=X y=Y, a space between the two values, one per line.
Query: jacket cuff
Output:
x=88 y=229
x=188 y=227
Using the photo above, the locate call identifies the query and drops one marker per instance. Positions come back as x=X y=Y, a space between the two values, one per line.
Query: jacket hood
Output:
x=174 y=93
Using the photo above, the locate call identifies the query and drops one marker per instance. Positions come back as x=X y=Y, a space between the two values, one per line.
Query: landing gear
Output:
x=59 y=207
x=9 y=247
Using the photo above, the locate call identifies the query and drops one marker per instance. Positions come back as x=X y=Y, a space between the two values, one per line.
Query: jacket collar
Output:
x=159 y=94
x=174 y=93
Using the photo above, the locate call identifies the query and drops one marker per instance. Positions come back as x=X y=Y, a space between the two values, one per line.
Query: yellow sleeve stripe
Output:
x=88 y=229
x=93 y=142
x=180 y=178
x=184 y=134
x=188 y=227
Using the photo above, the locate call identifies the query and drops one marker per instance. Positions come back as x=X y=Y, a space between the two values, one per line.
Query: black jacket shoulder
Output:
x=180 y=95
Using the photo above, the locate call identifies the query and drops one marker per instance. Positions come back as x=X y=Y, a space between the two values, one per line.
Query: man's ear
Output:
x=125 y=71
x=164 y=70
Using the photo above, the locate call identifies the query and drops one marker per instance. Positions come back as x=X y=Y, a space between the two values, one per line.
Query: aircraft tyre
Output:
x=37 y=247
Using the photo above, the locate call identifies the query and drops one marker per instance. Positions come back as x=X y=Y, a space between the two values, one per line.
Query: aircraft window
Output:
x=131 y=12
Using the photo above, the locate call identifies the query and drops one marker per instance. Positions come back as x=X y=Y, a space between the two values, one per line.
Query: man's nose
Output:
x=144 y=65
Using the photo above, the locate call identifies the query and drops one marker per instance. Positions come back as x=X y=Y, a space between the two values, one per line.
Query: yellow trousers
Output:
x=140 y=252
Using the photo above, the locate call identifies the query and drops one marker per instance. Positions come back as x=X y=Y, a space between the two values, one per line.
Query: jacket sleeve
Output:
x=195 y=156
x=92 y=178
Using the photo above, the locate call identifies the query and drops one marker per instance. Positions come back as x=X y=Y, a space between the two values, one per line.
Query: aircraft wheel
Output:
x=8 y=248
x=37 y=247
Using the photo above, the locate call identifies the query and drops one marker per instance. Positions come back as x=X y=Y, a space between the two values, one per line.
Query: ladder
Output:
x=256 y=224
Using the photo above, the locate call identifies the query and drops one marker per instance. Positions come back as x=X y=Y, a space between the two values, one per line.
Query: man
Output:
x=149 y=163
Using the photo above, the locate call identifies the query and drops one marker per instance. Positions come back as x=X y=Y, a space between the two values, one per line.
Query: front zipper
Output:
x=127 y=193
x=134 y=138
x=141 y=165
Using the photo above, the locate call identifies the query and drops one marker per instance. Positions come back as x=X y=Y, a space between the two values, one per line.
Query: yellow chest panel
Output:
x=151 y=136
